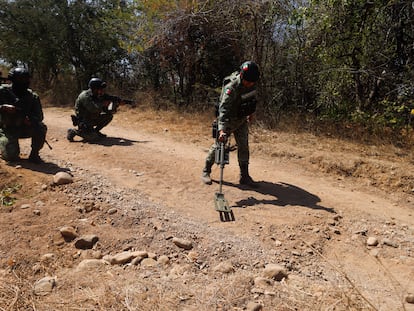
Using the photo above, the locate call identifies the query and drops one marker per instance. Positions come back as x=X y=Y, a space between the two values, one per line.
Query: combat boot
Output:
x=71 y=134
x=205 y=177
x=35 y=158
x=245 y=178
x=100 y=134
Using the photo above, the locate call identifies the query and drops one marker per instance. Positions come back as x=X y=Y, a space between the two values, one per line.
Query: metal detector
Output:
x=222 y=156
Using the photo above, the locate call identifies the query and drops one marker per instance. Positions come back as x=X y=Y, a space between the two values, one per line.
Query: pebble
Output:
x=372 y=241
x=68 y=233
x=112 y=211
x=61 y=178
x=88 y=264
x=275 y=272
x=44 y=286
x=224 y=267
x=86 y=241
x=163 y=260
x=148 y=262
x=388 y=242
x=122 y=258
x=185 y=244
x=253 y=306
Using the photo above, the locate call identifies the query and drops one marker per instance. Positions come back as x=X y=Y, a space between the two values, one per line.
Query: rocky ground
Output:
x=330 y=226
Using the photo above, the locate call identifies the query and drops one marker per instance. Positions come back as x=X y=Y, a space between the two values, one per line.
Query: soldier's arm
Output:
x=226 y=100
x=36 y=113
x=86 y=103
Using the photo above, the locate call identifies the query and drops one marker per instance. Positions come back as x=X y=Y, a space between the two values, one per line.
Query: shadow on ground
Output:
x=45 y=167
x=114 y=141
x=284 y=194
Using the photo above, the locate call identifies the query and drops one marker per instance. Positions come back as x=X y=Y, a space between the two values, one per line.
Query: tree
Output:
x=363 y=54
x=51 y=37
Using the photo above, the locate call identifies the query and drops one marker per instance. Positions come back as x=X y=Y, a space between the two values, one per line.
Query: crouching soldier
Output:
x=92 y=112
x=21 y=116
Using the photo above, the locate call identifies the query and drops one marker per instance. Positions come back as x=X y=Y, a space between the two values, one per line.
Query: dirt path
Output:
x=292 y=205
x=168 y=170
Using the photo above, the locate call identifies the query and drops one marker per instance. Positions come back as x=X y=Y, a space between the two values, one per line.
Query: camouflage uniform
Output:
x=25 y=122
x=232 y=120
x=229 y=118
x=92 y=113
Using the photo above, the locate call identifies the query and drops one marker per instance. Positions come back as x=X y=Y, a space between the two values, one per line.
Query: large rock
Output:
x=61 y=178
x=86 y=241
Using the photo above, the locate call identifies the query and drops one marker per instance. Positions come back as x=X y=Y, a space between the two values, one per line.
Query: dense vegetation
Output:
x=342 y=61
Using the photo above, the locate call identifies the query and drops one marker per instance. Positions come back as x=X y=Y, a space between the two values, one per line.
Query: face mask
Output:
x=21 y=86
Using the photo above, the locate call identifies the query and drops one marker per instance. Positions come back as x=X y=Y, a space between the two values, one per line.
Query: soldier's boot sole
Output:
x=206 y=179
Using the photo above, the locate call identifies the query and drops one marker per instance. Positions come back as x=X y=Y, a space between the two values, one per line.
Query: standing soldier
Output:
x=92 y=113
x=21 y=116
x=236 y=106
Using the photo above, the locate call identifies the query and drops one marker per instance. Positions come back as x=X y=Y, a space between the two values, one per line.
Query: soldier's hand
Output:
x=222 y=136
x=8 y=108
x=251 y=118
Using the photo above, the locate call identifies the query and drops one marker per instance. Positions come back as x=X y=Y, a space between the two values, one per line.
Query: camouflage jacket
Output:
x=230 y=114
x=27 y=106
x=89 y=107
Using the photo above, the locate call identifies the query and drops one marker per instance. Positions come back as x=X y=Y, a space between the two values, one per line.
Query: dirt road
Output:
x=306 y=217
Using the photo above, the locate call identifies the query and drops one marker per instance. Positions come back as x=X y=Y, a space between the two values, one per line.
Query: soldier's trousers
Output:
x=88 y=128
x=9 y=140
x=103 y=120
x=241 y=135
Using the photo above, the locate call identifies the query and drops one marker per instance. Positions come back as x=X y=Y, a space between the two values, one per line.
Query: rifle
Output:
x=113 y=102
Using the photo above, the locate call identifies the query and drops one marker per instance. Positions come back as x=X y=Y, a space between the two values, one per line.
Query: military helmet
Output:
x=96 y=83
x=249 y=71
x=18 y=73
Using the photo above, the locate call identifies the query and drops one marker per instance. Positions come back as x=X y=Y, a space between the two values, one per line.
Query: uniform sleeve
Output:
x=226 y=101
x=37 y=111
x=85 y=103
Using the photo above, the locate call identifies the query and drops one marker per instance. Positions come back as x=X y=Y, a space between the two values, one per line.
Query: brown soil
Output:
x=317 y=203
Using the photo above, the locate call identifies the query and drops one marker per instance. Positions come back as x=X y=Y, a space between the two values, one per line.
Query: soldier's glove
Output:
x=250 y=118
x=222 y=136
x=8 y=108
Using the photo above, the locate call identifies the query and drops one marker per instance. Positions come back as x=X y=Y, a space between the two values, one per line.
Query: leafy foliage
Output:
x=340 y=60
x=6 y=195
x=83 y=38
